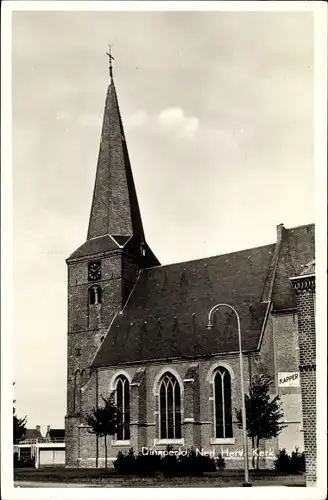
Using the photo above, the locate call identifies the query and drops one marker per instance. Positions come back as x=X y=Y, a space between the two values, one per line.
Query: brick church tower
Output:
x=102 y=271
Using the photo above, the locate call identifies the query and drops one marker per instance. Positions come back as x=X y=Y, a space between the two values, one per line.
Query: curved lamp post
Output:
x=243 y=409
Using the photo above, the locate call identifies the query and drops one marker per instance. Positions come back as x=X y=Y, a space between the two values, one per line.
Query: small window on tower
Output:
x=95 y=295
x=142 y=249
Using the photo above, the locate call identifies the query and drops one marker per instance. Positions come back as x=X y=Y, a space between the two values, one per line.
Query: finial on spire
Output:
x=110 y=58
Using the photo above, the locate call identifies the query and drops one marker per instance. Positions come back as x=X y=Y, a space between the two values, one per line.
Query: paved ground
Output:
x=39 y=484
x=95 y=478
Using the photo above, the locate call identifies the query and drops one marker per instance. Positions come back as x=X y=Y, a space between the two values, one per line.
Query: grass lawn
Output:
x=103 y=477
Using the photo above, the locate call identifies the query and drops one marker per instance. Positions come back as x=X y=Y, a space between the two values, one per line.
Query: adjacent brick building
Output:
x=304 y=287
x=139 y=329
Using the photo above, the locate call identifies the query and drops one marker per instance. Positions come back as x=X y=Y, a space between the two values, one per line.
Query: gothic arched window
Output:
x=222 y=403
x=123 y=404
x=170 y=407
x=95 y=295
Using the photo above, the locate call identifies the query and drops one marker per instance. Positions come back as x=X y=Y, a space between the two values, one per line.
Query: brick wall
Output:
x=305 y=296
x=286 y=359
x=279 y=352
x=197 y=397
x=87 y=327
x=197 y=410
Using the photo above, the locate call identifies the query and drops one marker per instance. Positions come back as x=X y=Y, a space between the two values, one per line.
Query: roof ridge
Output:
x=207 y=258
x=269 y=282
x=301 y=225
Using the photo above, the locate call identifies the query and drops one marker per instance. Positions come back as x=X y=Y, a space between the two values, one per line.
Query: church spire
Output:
x=115 y=209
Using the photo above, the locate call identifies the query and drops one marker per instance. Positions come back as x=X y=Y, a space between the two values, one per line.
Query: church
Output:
x=140 y=330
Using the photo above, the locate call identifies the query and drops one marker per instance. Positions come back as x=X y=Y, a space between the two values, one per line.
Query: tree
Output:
x=263 y=414
x=104 y=421
x=19 y=425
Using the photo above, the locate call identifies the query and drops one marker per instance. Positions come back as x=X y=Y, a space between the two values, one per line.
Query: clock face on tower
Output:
x=94 y=271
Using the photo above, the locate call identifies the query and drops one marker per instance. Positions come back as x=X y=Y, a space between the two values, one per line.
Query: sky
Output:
x=218 y=115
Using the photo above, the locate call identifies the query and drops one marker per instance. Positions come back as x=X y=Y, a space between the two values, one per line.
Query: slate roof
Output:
x=103 y=244
x=32 y=434
x=297 y=249
x=166 y=314
x=56 y=434
x=95 y=246
x=115 y=208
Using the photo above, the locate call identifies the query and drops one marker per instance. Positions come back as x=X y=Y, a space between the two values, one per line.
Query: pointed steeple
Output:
x=115 y=209
x=115 y=220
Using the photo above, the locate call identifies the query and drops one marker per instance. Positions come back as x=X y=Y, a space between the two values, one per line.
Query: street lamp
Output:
x=243 y=409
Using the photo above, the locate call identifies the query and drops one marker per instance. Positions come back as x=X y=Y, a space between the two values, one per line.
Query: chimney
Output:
x=38 y=428
x=48 y=428
x=280 y=230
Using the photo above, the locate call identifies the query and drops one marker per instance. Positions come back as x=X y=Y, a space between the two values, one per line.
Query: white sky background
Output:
x=218 y=114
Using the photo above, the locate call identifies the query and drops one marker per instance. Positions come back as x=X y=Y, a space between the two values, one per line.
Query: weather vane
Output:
x=110 y=59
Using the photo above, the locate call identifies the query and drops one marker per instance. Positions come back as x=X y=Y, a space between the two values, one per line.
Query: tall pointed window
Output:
x=123 y=404
x=170 y=407
x=222 y=403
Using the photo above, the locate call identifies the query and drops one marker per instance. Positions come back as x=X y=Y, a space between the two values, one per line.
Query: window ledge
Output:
x=120 y=443
x=160 y=442
x=223 y=440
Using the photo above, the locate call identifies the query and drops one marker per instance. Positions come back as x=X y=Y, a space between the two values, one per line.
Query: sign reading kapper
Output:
x=288 y=379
